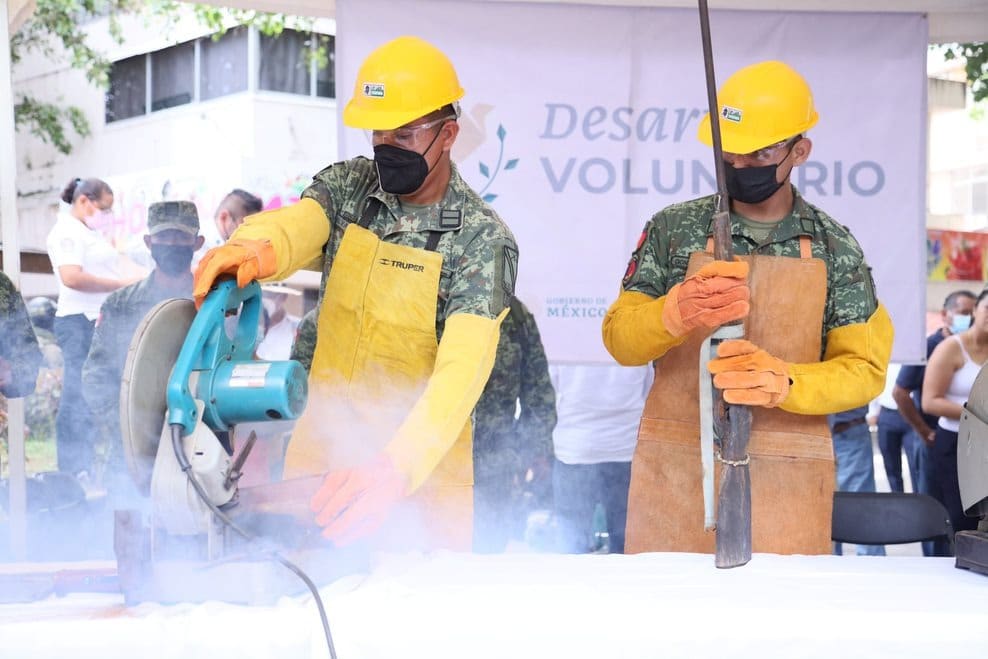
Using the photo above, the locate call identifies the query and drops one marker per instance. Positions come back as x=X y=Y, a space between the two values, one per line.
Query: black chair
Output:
x=889 y=518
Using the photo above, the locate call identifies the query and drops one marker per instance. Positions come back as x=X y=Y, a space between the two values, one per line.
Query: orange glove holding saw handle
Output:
x=714 y=295
x=748 y=375
x=246 y=259
x=353 y=503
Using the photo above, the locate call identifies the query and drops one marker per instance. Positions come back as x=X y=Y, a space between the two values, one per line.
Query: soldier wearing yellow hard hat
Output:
x=418 y=272
x=817 y=339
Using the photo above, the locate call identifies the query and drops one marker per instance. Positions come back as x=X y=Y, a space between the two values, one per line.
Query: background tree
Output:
x=975 y=67
x=57 y=30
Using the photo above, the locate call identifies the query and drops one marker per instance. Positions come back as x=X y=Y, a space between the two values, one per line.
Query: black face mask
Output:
x=172 y=259
x=752 y=185
x=401 y=171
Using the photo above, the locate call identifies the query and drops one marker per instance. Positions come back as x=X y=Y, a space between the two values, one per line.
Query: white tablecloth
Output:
x=539 y=605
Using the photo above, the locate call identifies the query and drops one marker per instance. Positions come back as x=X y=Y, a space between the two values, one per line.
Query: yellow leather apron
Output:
x=792 y=459
x=375 y=349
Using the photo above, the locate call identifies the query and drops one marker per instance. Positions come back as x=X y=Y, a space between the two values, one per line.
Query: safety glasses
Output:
x=765 y=154
x=405 y=136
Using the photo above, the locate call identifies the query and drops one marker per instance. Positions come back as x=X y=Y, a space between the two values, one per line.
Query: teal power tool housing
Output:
x=215 y=384
x=232 y=386
x=190 y=377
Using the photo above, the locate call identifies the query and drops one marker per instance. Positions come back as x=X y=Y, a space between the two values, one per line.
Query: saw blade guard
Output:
x=972 y=449
x=232 y=386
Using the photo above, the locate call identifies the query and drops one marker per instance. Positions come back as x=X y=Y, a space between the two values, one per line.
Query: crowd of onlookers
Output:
x=917 y=416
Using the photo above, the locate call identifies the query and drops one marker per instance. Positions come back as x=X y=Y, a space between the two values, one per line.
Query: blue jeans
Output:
x=927 y=469
x=927 y=478
x=74 y=426
x=894 y=436
x=856 y=472
x=576 y=491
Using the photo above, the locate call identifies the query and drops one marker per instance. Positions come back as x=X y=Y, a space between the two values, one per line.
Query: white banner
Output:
x=580 y=123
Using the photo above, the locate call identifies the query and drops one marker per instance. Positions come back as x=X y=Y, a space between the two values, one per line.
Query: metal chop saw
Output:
x=189 y=378
x=971 y=547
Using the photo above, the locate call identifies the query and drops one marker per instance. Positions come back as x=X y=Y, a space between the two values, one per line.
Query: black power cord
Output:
x=273 y=554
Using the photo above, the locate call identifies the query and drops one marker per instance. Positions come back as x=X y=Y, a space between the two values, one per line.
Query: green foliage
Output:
x=219 y=19
x=49 y=121
x=976 y=65
x=56 y=29
x=55 y=26
x=39 y=422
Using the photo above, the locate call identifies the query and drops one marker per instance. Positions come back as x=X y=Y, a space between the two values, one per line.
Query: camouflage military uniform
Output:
x=305 y=340
x=681 y=229
x=480 y=257
x=119 y=317
x=19 y=350
x=504 y=447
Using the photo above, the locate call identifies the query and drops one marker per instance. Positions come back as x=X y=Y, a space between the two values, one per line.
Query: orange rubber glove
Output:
x=748 y=375
x=247 y=259
x=353 y=503
x=714 y=295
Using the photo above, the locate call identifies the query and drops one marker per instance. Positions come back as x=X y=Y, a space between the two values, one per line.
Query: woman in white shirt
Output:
x=87 y=269
x=950 y=374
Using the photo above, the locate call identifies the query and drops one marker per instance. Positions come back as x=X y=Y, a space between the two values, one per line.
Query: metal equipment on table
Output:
x=189 y=378
x=971 y=547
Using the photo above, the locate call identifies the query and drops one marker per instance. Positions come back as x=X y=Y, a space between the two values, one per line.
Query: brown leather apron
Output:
x=792 y=458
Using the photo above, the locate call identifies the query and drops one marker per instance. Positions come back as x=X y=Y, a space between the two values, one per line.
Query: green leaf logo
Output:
x=501 y=165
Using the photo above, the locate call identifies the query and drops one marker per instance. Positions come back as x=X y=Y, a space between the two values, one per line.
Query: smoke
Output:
x=346 y=425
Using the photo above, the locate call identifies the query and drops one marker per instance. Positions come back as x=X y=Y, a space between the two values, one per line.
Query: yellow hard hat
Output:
x=760 y=105
x=399 y=82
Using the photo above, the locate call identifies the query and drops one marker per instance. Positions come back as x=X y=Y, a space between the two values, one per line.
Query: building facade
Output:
x=187 y=116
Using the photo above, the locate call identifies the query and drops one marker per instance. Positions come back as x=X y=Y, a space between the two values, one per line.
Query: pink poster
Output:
x=956 y=255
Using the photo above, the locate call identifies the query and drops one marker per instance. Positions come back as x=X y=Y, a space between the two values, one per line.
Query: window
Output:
x=167 y=78
x=172 y=80
x=979 y=197
x=128 y=92
x=285 y=65
x=326 y=75
x=223 y=64
x=288 y=64
x=970 y=190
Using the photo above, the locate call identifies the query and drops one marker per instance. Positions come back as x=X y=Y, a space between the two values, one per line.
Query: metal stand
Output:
x=971 y=549
x=154 y=566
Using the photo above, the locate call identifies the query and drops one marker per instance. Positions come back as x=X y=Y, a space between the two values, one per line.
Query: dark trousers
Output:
x=493 y=518
x=944 y=487
x=895 y=435
x=73 y=424
x=576 y=491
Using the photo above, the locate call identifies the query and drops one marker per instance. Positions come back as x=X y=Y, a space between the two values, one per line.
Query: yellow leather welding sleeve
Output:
x=633 y=330
x=298 y=234
x=463 y=364
x=852 y=372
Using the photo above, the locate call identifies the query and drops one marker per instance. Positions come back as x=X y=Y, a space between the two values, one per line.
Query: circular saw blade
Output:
x=143 y=388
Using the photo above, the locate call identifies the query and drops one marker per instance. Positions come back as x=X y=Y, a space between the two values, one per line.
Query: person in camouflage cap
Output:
x=20 y=356
x=505 y=448
x=173 y=237
x=818 y=340
x=418 y=272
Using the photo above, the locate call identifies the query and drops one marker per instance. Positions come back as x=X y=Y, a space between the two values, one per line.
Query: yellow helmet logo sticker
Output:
x=731 y=114
x=374 y=89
